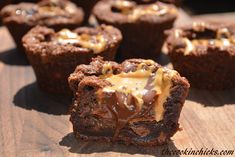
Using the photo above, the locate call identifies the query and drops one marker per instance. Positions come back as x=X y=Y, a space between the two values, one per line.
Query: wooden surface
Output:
x=33 y=123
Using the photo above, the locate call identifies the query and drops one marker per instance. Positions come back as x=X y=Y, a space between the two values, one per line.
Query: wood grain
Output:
x=33 y=123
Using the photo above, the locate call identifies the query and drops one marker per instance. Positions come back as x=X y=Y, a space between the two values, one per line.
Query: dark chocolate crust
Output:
x=19 y=25
x=206 y=67
x=142 y=38
x=91 y=121
x=53 y=63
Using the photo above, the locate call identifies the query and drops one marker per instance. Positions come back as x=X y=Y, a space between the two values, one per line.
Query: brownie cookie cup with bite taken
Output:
x=137 y=102
x=205 y=54
x=142 y=25
x=87 y=6
x=55 y=55
x=57 y=14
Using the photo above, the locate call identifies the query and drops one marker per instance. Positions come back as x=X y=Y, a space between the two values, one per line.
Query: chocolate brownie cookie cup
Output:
x=142 y=25
x=87 y=6
x=137 y=102
x=57 y=14
x=204 y=54
x=55 y=55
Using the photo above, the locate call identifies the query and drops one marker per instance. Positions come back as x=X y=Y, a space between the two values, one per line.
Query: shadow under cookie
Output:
x=31 y=98
x=84 y=147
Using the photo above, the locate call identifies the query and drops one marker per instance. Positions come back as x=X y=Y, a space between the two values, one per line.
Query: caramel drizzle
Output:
x=223 y=38
x=53 y=10
x=48 y=10
x=97 y=43
x=134 y=12
x=130 y=90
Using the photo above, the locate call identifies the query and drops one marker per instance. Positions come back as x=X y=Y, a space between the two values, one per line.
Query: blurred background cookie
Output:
x=57 y=14
x=142 y=25
x=54 y=55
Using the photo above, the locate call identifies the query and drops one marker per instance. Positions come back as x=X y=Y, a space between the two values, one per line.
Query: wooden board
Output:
x=33 y=123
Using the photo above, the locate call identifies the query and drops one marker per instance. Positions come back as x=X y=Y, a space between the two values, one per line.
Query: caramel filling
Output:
x=141 y=84
x=53 y=10
x=162 y=84
x=107 y=69
x=134 y=12
x=96 y=43
x=135 y=94
x=50 y=10
x=129 y=83
x=223 y=39
x=125 y=7
x=199 y=26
